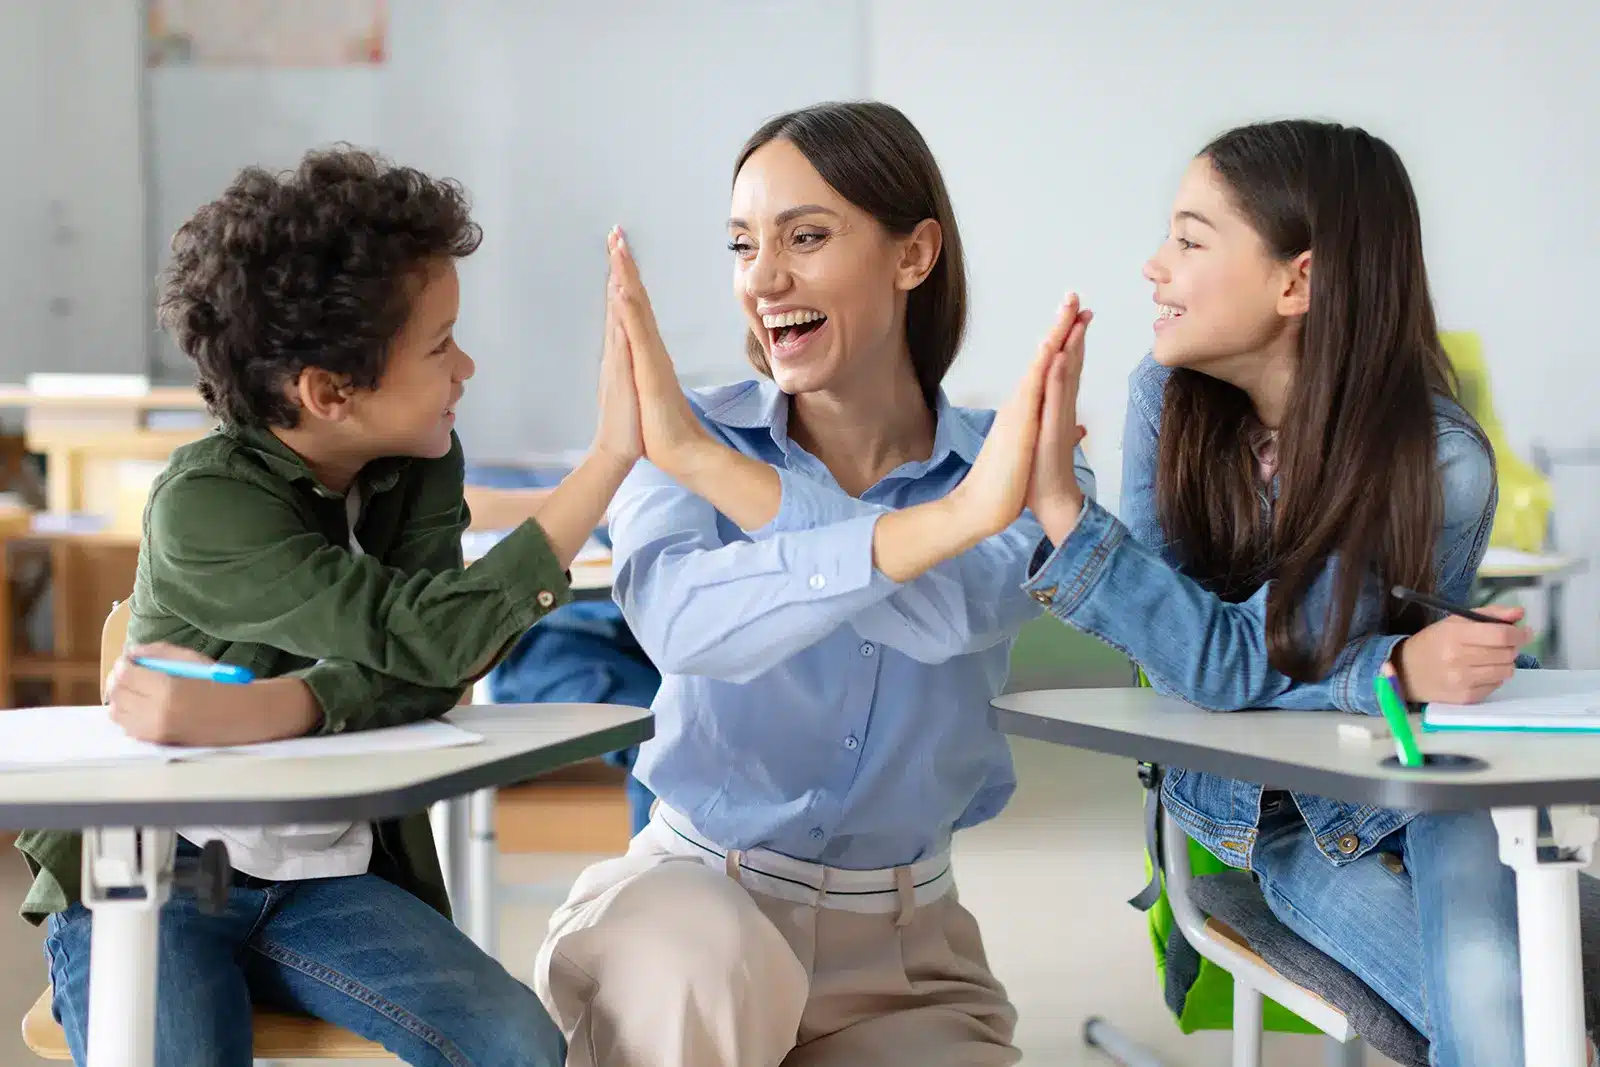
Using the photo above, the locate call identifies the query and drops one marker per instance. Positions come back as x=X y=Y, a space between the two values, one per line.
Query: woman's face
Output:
x=822 y=283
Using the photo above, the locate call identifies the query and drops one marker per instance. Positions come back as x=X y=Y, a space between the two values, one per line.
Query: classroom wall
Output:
x=1063 y=129
x=561 y=119
x=74 y=285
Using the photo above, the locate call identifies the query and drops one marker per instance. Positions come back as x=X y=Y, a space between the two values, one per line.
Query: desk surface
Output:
x=1302 y=750
x=1500 y=564
x=521 y=741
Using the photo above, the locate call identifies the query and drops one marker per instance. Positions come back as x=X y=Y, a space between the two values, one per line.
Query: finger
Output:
x=1066 y=315
x=1051 y=415
x=164 y=650
x=1491 y=635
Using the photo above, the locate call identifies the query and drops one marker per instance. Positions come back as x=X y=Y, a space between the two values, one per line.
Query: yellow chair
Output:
x=278 y=1035
x=1523 y=518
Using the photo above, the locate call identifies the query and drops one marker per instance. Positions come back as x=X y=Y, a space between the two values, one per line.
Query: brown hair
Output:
x=1357 y=454
x=872 y=155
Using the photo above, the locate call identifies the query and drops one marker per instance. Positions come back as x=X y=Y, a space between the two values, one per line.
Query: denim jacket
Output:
x=1122 y=583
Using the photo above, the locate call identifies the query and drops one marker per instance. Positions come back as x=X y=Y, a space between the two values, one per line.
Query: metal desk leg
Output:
x=1547 y=866
x=127 y=876
x=453 y=849
x=483 y=854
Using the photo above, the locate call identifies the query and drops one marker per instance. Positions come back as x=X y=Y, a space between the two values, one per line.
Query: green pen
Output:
x=1405 y=743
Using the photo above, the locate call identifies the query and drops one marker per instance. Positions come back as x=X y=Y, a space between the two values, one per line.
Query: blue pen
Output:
x=226 y=673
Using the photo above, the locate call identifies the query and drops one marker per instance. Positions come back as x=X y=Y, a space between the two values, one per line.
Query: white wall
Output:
x=561 y=119
x=1063 y=128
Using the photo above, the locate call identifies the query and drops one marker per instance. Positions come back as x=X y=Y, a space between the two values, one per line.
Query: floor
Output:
x=1048 y=881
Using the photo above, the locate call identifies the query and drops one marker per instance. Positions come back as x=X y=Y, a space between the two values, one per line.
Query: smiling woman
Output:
x=826 y=567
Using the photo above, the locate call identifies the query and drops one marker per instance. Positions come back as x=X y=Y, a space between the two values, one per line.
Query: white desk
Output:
x=520 y=742
x=1299 y=750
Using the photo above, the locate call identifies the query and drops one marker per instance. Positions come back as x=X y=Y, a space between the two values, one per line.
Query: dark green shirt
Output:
x=245 y=559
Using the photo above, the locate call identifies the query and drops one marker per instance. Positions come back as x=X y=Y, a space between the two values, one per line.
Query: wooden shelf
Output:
x=583 y=808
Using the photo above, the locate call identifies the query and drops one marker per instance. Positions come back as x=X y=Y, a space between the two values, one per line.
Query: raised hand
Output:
x=1054 y=495
x=618 y=434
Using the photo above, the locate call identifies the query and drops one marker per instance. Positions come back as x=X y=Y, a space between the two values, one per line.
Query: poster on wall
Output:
x=267 y=33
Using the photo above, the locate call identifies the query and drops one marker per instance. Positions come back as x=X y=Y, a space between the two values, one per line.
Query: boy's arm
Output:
x=242 y=559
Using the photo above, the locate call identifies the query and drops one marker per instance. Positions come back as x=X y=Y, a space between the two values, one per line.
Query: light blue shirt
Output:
x=809 y=704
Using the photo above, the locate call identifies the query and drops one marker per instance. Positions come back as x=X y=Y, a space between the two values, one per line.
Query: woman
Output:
x=825 y=565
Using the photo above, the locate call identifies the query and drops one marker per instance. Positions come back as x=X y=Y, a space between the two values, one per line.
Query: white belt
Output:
x=893 y=890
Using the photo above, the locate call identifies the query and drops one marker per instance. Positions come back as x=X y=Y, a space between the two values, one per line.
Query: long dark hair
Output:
x=872 y=155
x=1357 y=470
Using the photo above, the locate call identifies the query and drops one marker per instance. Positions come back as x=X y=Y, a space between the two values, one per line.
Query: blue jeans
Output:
x=358 y=951
x=1436 y=939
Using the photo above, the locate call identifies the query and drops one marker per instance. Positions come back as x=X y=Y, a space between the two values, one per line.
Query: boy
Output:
x=314 y=538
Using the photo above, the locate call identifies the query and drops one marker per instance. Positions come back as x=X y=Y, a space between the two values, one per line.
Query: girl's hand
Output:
x=1054 y=496
x=1459 y=661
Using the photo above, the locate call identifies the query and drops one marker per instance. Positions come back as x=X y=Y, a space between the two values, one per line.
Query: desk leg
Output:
x=1547 y=866
x=127 y=875
x=483 y=855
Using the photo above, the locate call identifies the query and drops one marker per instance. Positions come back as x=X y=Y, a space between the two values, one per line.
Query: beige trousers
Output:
x=679 y=955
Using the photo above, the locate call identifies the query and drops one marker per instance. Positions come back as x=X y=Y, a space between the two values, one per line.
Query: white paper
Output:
x=35 y=738
x=1559 y=700
x=1511 y=559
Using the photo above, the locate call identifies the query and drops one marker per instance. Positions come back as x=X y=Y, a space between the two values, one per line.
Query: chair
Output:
x=277 y=1035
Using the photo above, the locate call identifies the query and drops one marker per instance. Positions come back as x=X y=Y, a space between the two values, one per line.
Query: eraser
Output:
x=1364 y=732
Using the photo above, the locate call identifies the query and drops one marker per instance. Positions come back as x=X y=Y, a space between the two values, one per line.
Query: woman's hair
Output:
x=872 y=155
x=314 y=267
x=1356 y=452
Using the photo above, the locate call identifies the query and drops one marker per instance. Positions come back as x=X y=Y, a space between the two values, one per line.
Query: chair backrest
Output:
x=113 y=636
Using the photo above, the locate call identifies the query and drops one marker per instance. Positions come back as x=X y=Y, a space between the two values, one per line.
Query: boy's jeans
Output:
x=357 y=951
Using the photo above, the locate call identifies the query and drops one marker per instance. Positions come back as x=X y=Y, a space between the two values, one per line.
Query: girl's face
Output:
x=1221 y=294
x=822 y=283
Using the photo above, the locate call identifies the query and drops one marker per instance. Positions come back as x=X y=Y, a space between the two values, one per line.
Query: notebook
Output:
x=38 y=738
x=1553 y=701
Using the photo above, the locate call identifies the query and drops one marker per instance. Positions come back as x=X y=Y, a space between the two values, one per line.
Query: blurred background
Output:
x=1062 y=127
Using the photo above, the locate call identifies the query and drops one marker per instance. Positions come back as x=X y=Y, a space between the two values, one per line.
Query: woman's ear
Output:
x=1295 y=299
x=919 y=252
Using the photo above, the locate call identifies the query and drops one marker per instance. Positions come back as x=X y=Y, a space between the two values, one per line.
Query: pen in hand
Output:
x=1411 y=596
x=226 y=673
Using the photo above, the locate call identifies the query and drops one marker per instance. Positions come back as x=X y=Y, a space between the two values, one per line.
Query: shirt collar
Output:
x=761 y=405
x=379 y=476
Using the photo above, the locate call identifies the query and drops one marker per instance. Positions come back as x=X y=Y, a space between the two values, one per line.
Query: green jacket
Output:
x=245 y=559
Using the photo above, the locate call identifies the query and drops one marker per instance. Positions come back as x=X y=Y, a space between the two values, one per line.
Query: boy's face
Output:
x=411 y=411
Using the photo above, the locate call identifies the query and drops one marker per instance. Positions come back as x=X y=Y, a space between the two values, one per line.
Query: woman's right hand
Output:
x=674 y=438
x=1458 y=661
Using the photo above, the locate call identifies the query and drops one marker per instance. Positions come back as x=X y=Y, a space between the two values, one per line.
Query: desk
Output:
x=1301 y=750
x=1504 y=570
x=520 y=742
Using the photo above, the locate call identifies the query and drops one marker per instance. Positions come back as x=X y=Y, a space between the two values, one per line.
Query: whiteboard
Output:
x=561 y=119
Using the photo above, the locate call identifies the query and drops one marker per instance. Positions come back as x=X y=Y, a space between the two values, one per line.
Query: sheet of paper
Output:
x=1530 y=698
x=34 y=738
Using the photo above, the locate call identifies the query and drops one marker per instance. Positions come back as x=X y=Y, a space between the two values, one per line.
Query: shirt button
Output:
x=816 y=581
x=1044 y=596
x=816 y=833
x=867 y=649
x=1392 y=863
x=1349 y=843
x=338 y=727
x=546 y=598
x=851 y=743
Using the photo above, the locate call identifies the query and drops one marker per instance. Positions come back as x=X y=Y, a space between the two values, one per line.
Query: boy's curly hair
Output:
x=313 y=267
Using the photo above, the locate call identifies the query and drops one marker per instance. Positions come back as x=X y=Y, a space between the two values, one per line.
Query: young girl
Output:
x=825 y=565
x=1293 y=450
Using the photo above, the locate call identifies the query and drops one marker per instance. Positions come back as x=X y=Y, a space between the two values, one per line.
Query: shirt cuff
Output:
x=531 y=580
x=1062 y=578
x=1356 y=670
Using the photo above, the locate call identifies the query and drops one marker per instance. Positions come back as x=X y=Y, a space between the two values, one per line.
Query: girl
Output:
x=1298 y=410
x=825 y=565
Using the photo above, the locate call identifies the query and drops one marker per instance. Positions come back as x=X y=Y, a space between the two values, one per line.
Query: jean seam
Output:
x=343 y=983
x=1269 y=890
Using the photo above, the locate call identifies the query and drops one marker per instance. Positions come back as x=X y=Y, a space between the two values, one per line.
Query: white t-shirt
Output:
x=298 y=851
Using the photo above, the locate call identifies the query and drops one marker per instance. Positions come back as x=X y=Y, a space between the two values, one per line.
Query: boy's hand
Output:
x=154 y=706
x=618 y=435
x=1459 y=661
x=674 y=438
